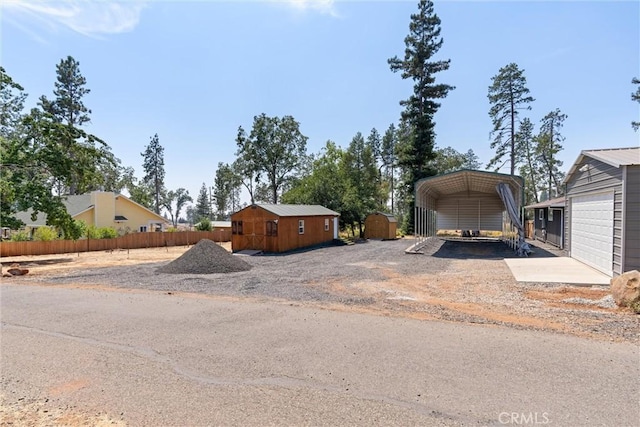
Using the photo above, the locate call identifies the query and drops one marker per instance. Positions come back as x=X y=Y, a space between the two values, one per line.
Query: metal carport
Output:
x=463 y=200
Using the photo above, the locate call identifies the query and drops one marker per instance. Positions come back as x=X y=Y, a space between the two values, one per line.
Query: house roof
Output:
x=558 y=202
x=75 y=205
x=390 y=217
x=615 y=157
x=467 y=180
x=221 y=224
x=297 y=210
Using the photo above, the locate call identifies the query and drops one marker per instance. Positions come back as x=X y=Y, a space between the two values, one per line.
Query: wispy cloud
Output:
x=87 y=17
x=325 y=7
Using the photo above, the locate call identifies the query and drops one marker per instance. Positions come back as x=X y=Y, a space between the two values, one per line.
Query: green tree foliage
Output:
x=203 y=206
x=416 y=149
x=389 y=161
x=273 y=152
x=526 y=145
x=508 y=93
x=61 y=129
x=635 y=96
x=549 y=144
x=12 y=97
x=179 y=199
x=361 y=190
x=323 y=184
x=153 y=166
x=449 y=160
x=226 y=191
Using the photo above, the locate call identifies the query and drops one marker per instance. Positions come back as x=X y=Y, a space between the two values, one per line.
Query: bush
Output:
x=203 y=225
x=20 y=236
x=45 y=234
x=172 y=230
x=94 y=232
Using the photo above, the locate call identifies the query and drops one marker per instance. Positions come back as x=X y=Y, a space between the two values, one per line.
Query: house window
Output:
x=550 y=214
x=301 y=226
x=236 y=227
x=143 y=228
x=541 y=214
x=326 y=224
x=272 y=228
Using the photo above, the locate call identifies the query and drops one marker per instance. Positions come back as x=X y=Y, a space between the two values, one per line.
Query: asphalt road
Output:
x=150 y=358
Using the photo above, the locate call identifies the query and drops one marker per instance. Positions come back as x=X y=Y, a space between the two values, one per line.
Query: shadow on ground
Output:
x=482 y=249
x=50 y=261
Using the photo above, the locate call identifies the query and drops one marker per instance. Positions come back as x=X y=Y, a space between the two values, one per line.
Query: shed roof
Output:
x=467 y=180
x=615 y=157
x=389 y=216
x=297 y=210
x=558 y=202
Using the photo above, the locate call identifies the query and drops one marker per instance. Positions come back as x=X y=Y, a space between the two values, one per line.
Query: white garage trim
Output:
x=592 y=230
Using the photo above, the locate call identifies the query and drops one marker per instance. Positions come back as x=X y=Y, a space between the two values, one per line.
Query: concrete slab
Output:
x=555 y=270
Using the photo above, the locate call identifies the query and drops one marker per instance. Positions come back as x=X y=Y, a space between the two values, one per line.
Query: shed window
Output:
x=326 y=224
x=541 y=214
x=236 y=227
x=550 y=215
x=301 y=226
x=272 y=228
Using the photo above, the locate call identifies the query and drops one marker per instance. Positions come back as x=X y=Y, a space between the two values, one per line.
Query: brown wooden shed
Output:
x=380 y=225
x=281 y=228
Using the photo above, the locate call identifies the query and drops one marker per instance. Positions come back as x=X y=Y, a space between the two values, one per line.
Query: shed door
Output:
x=592 y=231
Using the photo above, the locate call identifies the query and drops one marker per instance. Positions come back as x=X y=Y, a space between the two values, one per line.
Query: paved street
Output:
x=150 y=358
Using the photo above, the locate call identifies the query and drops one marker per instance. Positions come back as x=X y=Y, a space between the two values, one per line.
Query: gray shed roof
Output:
x=558 y=202
x=615 y=157
x=297 y=210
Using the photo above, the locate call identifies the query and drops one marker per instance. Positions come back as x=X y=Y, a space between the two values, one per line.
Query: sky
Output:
x=194 y=71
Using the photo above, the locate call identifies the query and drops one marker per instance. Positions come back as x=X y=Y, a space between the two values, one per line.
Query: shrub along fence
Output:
x=129 y=241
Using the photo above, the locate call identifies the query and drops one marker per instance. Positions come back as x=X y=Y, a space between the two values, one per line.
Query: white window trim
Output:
x=301 y=226
x=541 y=214
x=550 y=219
x=326 y=224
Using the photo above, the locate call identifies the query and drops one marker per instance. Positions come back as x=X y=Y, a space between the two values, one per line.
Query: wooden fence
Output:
x=129 y=241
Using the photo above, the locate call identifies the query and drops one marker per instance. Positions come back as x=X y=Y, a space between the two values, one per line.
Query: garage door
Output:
x=592 y=231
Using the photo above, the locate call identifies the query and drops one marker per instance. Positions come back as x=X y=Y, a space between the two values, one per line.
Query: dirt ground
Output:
x=452 y=282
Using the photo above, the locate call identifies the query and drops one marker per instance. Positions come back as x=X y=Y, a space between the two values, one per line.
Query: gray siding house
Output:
x=602 y=222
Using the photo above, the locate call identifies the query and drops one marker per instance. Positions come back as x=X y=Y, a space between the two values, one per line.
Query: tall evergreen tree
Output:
x=549 y=144
x=389 y=160
x=61 y=131
x=12 y=98
x=203 y=205
x=508 y=93
x=422 y=43
x=153 y=166
x=526 y=145
x=635 y=96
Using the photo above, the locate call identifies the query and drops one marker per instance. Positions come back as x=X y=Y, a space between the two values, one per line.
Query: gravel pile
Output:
x=206 y=257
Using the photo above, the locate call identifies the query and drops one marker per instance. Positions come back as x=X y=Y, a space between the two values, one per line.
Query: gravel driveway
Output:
x=456 y=281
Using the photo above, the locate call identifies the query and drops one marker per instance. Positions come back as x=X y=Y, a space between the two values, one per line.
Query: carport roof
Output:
x=468 y=181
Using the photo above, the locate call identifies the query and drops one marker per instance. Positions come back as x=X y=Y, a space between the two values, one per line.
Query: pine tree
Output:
x=507 y=94
x=549 y=145
x=530 y=169
x=422 y=43
x=389 y=159
x=153 y=166
x=203 y=207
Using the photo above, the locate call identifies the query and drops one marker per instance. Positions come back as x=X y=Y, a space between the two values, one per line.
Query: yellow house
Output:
x=105 y=209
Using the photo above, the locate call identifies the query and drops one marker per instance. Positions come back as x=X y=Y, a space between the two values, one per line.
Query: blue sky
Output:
x=192 y=72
